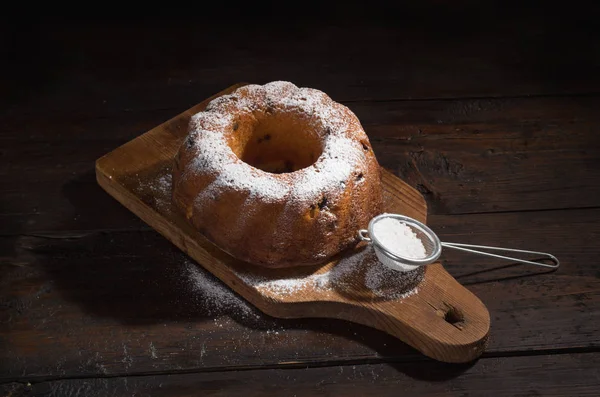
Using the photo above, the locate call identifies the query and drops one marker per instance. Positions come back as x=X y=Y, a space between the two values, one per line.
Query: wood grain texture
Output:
x=465 y=156
x=492 y=156
x=74 y=283
x=171 y=61
x=89 y=292
x=111 y=303
x=443 y=320
x=565 y=375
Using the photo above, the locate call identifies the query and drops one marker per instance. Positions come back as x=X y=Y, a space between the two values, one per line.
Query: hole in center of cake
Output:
x=277 y=145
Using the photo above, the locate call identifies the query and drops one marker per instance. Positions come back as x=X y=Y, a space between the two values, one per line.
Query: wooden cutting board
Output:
x=439 y=317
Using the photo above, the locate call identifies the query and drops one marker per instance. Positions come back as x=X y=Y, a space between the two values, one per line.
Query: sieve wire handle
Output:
x=363 y=234
x=466 y=247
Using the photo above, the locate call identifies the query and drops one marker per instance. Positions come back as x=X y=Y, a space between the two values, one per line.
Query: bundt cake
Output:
x=277 y=175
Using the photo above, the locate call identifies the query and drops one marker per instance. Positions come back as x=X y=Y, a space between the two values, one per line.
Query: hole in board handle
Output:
x=454 y=317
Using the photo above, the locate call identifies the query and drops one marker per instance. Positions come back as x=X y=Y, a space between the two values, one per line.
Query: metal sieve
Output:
x=433 y=247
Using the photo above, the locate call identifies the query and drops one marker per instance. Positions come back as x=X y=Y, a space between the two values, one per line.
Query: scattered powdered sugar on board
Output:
x=218 y=298
x=380 y=280
x=158 y=189
x=288 y=286
x=383 y=282
x=163 y=184
x=391 y=284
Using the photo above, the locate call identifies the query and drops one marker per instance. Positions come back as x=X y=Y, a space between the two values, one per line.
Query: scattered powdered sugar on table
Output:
x=398 y=238
x=218 y=298
x=380 y=280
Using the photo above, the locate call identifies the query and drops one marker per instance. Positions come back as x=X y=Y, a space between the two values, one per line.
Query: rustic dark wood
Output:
x=133 y=286
x=408 y=52
x=421 y=320
x=482 y=156
x=579 y=280
x=79 y=275
x=559 y=375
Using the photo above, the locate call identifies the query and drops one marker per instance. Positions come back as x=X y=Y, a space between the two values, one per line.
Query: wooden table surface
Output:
x=492 y=113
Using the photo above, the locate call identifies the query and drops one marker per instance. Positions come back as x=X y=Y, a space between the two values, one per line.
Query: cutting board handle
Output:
x=443 y=320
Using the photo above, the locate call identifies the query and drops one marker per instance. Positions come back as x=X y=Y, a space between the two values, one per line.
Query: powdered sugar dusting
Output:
x=163 y=183
x=219 y=297
x=158 y=189
x=399 y=238
x=340 y=157
x=239 y=176
x=381 y=281
x=216 y=157
x=391 y=284
x=304 y=203
x=292 y=285
x=212 y=121
x=337 y=163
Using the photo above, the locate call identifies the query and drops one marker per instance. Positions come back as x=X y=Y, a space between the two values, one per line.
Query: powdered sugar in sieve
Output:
x=403 y=243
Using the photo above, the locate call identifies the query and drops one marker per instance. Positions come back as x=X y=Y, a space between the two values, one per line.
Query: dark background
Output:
x=490 y=110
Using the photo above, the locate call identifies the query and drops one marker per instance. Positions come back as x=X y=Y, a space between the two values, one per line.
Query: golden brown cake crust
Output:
x=277 y=175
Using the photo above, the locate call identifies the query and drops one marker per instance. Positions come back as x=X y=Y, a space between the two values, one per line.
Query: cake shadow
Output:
x=156 y=283
x=159 y=287
x=359 y=276
x=86 y=271
x=114 y=265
